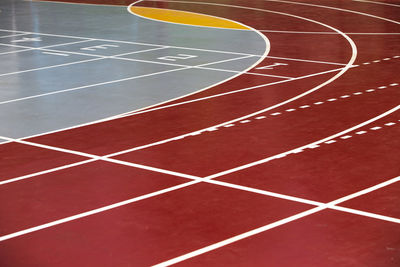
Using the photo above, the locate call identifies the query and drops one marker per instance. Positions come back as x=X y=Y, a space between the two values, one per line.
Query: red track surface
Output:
x=184 y=139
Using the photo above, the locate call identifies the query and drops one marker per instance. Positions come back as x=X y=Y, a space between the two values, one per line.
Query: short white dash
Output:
x=370 y=90
x=313 y=146
x=245 y=121
x=396 y=57
x=276 y=114
x=195 y=133
x=346 y=137
x=376 y=128
x=332 y=99
x=296 y=151
x=366 y=63
x=388 y=58
x=291 y=109
x=305 y=106
x=376 y=61
x=361 y=132
x=390 y=124
x=212 y=129
x=179 y=137
x=318 y=103
x=330 y=142
x=280 y=156
x=56 y=54
x=229 y=125
x=344 y=96
x=382 y=87
x=394 y=84
x=357 y=93
x=260 y=117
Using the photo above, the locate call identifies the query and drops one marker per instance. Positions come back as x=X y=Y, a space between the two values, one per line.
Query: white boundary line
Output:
x=330 y=205
x=258 y=162
x=183 y=67
x=267 y=43
x=335 y=8
x=349 y=64
x=378 y=3
x=13 y=35
x=226 y=93
x=275 y=224
x=333 y=33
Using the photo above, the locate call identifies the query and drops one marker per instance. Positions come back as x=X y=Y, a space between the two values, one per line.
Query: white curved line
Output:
x=349 y=64
x=265 y=54
x=292 y=99
x=335 y=8
x=378 y=3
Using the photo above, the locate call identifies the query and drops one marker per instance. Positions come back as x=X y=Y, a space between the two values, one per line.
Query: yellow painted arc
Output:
x=185 y=17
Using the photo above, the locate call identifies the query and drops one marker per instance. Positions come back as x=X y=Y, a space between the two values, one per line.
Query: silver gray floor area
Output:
x=63 y=65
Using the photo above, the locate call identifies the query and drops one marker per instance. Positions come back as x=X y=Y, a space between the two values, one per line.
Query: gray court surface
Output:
x=63 y=65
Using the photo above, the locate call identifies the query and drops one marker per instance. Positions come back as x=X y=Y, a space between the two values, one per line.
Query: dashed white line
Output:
x=376 y=128
x=260 y=117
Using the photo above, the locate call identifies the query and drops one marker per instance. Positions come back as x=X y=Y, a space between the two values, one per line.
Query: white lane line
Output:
x=28 y=48
x=92 y=85
x=104 y=158
x=47 y=67
x=56 y=54
x=343 y=70
x=334 y=33
x=330 y=205
x=139 y=43
x=335 y=99
x=335 y=8
x=13 y=35
x=326 y=139
x=311 y=61
x=144 y=51
x=366 y=214
x=378 y=3
x=92 y=212
x=16 y=179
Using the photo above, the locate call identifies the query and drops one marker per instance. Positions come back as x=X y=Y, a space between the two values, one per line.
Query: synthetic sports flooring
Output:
x=200 y=133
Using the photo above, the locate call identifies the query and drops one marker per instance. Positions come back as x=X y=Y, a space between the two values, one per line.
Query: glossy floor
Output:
x=200 y=133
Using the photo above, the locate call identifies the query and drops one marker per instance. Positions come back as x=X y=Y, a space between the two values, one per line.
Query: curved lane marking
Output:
x=133 y=112
x=335 y=8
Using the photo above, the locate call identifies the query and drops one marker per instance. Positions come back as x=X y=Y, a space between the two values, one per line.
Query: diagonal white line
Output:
x=282 y=222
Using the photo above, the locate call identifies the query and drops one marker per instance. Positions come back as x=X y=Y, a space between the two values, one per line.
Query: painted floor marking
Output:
x=287 y=110
x=380 y=60
x=336 y=8
x=333 y=33
x=44 y=68
x=165 y=46
x=156 y=193
x=13 y=35
x=330 y=205
x=150 y=109
x=56 y=54
x=96 y=84
x=319 y=142
x=379 y=3
x=28 y=48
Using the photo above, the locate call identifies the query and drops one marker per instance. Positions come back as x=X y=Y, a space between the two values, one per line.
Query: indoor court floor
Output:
x=200 y=133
